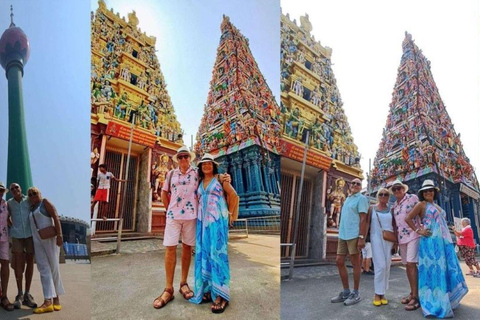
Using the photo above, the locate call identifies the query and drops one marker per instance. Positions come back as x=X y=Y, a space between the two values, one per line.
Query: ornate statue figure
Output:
x=337 y=197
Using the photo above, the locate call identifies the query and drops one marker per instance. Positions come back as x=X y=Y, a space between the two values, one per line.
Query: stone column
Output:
x=318 y=231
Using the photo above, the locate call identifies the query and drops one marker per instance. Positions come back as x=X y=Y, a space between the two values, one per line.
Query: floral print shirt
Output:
x=400 y=212
x=3 y=221
x=184 y=199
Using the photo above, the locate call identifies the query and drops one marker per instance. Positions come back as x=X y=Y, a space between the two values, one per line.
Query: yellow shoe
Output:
x=377 y=303
x=384 y=301
x=57 y=307
x=44 y=309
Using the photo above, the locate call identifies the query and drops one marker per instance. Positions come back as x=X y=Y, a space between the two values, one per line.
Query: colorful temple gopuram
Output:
x=128 y=89
x=419 y=141
x=241 y=125
x=311 y=107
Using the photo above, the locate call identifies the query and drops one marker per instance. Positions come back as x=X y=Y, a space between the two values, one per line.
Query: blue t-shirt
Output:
x=355 y=205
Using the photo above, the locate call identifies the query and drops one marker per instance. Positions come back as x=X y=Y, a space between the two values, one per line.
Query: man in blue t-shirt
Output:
x=351 y=240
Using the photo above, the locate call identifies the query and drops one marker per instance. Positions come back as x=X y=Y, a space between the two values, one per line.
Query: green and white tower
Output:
x=14 y=53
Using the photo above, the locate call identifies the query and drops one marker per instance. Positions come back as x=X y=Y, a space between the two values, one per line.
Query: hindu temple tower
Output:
x=241 y=125
x=419 y=141
x=14 y=54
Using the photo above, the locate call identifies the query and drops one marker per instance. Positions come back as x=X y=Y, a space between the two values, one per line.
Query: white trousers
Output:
x=47 y=257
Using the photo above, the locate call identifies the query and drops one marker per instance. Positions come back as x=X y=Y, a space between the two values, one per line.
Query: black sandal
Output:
x=207 y=297
x=219 y=307
x=414 y=306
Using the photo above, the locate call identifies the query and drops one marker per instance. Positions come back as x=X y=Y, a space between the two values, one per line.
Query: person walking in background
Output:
x=351 y=240
x=22 y=245
x=42 y=215
x=408 y=239
x=104 y=179
x=212 y=270
x=380 y=218
x=441 y=284
x=4 y=247
x=367 y=257
x=467 y=247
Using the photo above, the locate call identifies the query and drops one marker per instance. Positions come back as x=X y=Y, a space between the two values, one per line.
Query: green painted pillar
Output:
x=18 y=161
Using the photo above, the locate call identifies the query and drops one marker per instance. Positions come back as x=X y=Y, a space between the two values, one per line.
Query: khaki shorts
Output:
x=20 y=245
x=347 y=247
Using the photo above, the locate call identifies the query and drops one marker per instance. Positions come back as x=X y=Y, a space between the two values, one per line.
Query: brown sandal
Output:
x=163 y=302
x=414 y=306
x=406 y=300
x=186 y=292
x=5 y=303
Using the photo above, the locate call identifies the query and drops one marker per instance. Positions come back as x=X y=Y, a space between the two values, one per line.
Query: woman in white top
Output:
x=42 y=215
x=380 y=218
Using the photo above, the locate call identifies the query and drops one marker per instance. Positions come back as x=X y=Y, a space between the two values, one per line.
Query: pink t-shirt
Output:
x=184 y=200
x=466 y=239
x=400 y=212
x=3 y=221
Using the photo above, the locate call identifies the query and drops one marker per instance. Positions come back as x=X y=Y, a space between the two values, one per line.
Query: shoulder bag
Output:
x=45 y=233
x=387 y=235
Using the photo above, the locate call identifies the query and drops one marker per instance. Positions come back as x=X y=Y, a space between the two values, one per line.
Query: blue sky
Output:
x=188 y=34
x=56 y=97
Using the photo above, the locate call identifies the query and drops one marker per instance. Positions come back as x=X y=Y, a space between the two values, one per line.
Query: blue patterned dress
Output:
x=212 y=271
x=441 y=284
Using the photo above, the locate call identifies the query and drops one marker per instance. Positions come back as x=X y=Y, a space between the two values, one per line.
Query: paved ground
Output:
x=124 y=286
x=308 y=296
x=76 y=303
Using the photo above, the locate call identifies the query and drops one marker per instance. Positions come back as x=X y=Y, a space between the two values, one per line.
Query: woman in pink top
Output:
x=467 y=246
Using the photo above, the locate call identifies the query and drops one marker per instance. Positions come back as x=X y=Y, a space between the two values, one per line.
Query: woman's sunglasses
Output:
x=33 y=193
x=383 y=194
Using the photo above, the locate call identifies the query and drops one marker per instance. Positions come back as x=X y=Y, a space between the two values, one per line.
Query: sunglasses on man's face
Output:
x=354 y=183
x=14 y=188
x=183 y=157
x=383 y=194
x=397 y=188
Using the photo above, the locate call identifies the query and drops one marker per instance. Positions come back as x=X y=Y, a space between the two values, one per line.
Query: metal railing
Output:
x=268 y=224
x=119 y=233
x=292 y=259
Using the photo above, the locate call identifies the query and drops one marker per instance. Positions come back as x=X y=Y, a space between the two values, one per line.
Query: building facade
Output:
x=129 y=101
x=313 y=121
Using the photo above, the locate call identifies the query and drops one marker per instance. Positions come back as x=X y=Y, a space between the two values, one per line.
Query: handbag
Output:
x=233 y=201
x=387 y=235
x=45 y=233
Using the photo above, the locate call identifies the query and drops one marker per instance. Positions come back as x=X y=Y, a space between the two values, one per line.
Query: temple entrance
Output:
x=116 y=161
x=290 y=184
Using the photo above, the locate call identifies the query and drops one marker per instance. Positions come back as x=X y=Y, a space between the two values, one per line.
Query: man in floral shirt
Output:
x=181 y=205
x=4 y=248
x=408 y=239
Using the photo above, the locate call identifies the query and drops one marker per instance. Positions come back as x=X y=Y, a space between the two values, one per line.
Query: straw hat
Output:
x=2 y=187
x=398 y=182
x=183 y=150
x=206 y=158
x=428 y=184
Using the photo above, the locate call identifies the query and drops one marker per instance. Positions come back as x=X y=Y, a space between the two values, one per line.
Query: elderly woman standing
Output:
x=441 y=284
x=467 y=246
x=380 y=218
x=42 y=215
x=212 y=269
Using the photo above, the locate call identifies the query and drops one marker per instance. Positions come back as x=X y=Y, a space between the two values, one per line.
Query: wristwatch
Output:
x=361 y=236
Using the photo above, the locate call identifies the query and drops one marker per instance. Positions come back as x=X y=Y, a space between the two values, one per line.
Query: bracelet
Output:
x=417 y=230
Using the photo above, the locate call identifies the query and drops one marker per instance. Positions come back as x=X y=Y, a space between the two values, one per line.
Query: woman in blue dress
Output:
x=212 y=270
x=441 y=284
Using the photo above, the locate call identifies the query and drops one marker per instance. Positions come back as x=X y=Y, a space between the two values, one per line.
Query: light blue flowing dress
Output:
x=441 y=284
x=212 y=271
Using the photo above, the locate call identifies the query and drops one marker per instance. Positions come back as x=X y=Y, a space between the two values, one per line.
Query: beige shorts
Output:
x=4 y=252
x=409 y=251
x=347 y=247
x=20 y=245
x=176 y=228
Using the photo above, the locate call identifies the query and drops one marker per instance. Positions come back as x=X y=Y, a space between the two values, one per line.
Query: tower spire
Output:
x=11 y=17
